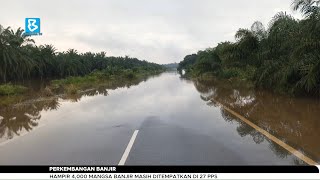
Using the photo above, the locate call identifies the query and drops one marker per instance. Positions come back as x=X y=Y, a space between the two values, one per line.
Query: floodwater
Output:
x=177 y=122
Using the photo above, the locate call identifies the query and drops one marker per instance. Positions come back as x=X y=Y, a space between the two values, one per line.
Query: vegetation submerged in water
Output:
x=72 y=85
x=285 y=57
x=9 y=89
x=75 y=84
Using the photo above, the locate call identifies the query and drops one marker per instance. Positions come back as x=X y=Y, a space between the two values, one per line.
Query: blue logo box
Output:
x=32 y=26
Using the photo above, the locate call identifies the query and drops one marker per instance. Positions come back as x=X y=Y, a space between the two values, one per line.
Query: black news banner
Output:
x=158 y=172
x=159 y=169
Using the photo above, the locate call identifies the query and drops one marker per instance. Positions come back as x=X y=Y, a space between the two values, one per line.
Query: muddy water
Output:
x=167 y=97
x=21 y=114
x=296 y=121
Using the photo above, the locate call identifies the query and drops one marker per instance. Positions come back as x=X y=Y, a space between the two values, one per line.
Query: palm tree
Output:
x=306 y=7
x=13 y=55
x=4 y=56
x=258 y=30
x=307 y=52
x=248 y=43
x=44 y=56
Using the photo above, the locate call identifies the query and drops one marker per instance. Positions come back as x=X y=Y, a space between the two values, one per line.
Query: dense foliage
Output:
x=284 y=57
x=171 y=66
x=21 y=59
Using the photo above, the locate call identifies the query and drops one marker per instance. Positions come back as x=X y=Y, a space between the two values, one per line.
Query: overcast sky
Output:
x=161 y=31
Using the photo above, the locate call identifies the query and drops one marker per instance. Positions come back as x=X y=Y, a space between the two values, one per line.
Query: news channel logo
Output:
x=32 y=27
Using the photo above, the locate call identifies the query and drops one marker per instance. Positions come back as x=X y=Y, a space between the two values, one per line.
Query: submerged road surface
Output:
x=162 y=121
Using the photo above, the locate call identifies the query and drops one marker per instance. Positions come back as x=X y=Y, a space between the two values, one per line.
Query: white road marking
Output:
x=128 y=149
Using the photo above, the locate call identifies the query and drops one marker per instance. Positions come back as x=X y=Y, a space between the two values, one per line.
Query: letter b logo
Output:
x=32 y=26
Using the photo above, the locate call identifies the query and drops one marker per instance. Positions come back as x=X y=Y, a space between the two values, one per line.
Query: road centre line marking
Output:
x=128 y=149
x=268 y=135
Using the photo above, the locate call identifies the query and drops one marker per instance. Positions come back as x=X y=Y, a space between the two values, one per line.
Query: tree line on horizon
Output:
x=21 y=59
x=284 y=56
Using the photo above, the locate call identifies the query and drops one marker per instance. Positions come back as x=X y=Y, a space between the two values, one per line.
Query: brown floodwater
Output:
x=94 y=126
x=20 y=114
x=294 y=120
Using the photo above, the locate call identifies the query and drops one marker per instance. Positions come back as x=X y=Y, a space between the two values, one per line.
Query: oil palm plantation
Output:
x=284 y=57
x=14 y=60
x=21 y=59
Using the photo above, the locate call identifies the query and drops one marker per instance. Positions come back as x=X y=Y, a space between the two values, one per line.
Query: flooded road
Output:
x=177 y=123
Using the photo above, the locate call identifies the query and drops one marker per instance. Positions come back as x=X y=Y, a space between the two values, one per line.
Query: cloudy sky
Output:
x=161 y=31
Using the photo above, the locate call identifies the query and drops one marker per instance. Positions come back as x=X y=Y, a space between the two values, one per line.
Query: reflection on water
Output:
x=293 y=120
x=21 y=117
x=176 y=103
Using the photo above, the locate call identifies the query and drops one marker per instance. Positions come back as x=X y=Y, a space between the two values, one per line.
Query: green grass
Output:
x=73 y=85
x=9 y=89
x=72 y=89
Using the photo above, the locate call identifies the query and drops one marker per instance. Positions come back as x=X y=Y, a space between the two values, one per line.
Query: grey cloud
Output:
x=115 y=44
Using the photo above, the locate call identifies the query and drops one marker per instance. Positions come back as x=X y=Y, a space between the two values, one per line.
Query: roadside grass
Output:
x=97 y=82
x=10 y=89
x=73 y=85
